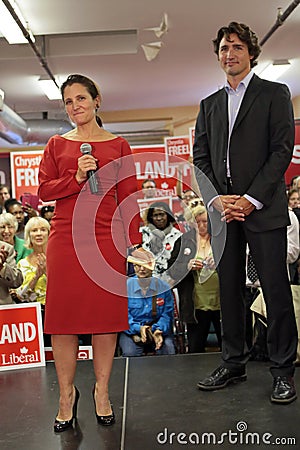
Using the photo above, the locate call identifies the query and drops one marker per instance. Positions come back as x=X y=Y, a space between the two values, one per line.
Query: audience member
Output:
x=295 y=183
x=193 y=270
x=4 y=195
x=47 y=212
x=10 y=275
x=14 y=207
x=159 y=235
x=150 y=311
x=22 y=213
x=33 y=266
x=259 y=350
x=8 y=231
x=293 y=198
x=149 y=188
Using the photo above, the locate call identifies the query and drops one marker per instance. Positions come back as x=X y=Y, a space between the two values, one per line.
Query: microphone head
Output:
x=86 y=149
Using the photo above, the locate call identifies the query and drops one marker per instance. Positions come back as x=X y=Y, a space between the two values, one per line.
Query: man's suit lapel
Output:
x=222 y=110
x=251 y=93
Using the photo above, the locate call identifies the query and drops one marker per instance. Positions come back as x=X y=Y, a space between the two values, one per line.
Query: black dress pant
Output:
x=268 y=249
x=197 y=333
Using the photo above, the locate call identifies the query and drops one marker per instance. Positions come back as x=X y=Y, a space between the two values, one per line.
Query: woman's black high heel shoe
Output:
x=62 y=425
x=104 y=420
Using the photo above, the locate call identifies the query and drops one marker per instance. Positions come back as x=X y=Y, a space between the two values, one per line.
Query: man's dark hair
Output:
x=146 y=181
x=11 y=202
x=245 y=34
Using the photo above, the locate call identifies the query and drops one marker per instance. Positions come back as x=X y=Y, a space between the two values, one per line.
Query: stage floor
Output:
x=157 y=405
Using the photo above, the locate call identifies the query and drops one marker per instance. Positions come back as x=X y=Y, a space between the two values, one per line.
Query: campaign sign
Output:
x=84 y=352
x=192 y=137
x=179 y=155
x=150 y=163
x=21 y=336
x=24 y=172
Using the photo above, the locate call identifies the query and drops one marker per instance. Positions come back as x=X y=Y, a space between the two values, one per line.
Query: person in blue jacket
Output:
x=150 y=311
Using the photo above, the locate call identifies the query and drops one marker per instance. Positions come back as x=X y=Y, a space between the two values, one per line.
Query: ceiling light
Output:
x=49 y=88
x=274 y=70
x=9 y=27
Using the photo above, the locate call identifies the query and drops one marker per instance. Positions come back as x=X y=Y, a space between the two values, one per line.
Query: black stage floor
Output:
x=157 y=406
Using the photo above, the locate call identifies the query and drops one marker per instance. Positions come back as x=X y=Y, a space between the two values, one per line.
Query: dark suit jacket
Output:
x=260 y=149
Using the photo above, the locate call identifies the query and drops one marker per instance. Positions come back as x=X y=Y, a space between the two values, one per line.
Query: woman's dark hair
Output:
x=87 y=83
x=45 y=209
x=11 y=202
x=163 y=206
x=245 y=34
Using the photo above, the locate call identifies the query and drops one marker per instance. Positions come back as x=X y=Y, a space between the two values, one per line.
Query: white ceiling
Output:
x=185 y=70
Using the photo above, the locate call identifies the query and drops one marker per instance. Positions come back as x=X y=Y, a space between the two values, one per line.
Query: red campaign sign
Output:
x=192 y=137
x=21 y=336
x=84 y=352
x=177 y=146
x=150 y=162
x=178 y=155
x=294 y=168
x=24 y=172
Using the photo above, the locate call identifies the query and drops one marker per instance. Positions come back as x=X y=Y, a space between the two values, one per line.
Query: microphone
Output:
x=86 y=149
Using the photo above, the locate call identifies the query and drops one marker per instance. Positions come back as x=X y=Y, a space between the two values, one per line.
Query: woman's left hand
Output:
x=195 y=264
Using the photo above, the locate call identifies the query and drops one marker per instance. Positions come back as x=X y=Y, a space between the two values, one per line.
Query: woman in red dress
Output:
x=86 y=253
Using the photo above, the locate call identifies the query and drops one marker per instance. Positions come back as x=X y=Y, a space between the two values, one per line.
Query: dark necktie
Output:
x=251 y=270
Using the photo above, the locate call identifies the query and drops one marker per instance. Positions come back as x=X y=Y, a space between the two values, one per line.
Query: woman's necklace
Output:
x=204 y=247
x=203 y=242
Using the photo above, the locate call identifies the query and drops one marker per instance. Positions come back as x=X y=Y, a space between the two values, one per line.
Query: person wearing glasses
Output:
x=150 y=311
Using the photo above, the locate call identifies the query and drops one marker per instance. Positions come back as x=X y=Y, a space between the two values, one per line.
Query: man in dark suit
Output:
x=243 y=145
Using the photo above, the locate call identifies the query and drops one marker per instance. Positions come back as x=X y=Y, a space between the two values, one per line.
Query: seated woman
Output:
x=150 y=311
x=8 y=230
x=192 y=269
x=159 y=235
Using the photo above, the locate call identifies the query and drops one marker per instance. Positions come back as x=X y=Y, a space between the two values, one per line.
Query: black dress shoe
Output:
x=283 y=390
x=221 y=377
x=104 y=420
x=63 y=425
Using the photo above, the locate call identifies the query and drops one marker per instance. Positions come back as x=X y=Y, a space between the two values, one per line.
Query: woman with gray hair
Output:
x=8 y=229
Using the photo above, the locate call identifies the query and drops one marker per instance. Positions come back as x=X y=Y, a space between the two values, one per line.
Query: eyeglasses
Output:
x=197 y=202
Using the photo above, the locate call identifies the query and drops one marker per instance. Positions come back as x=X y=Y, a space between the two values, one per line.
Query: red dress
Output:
x=86 y=252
